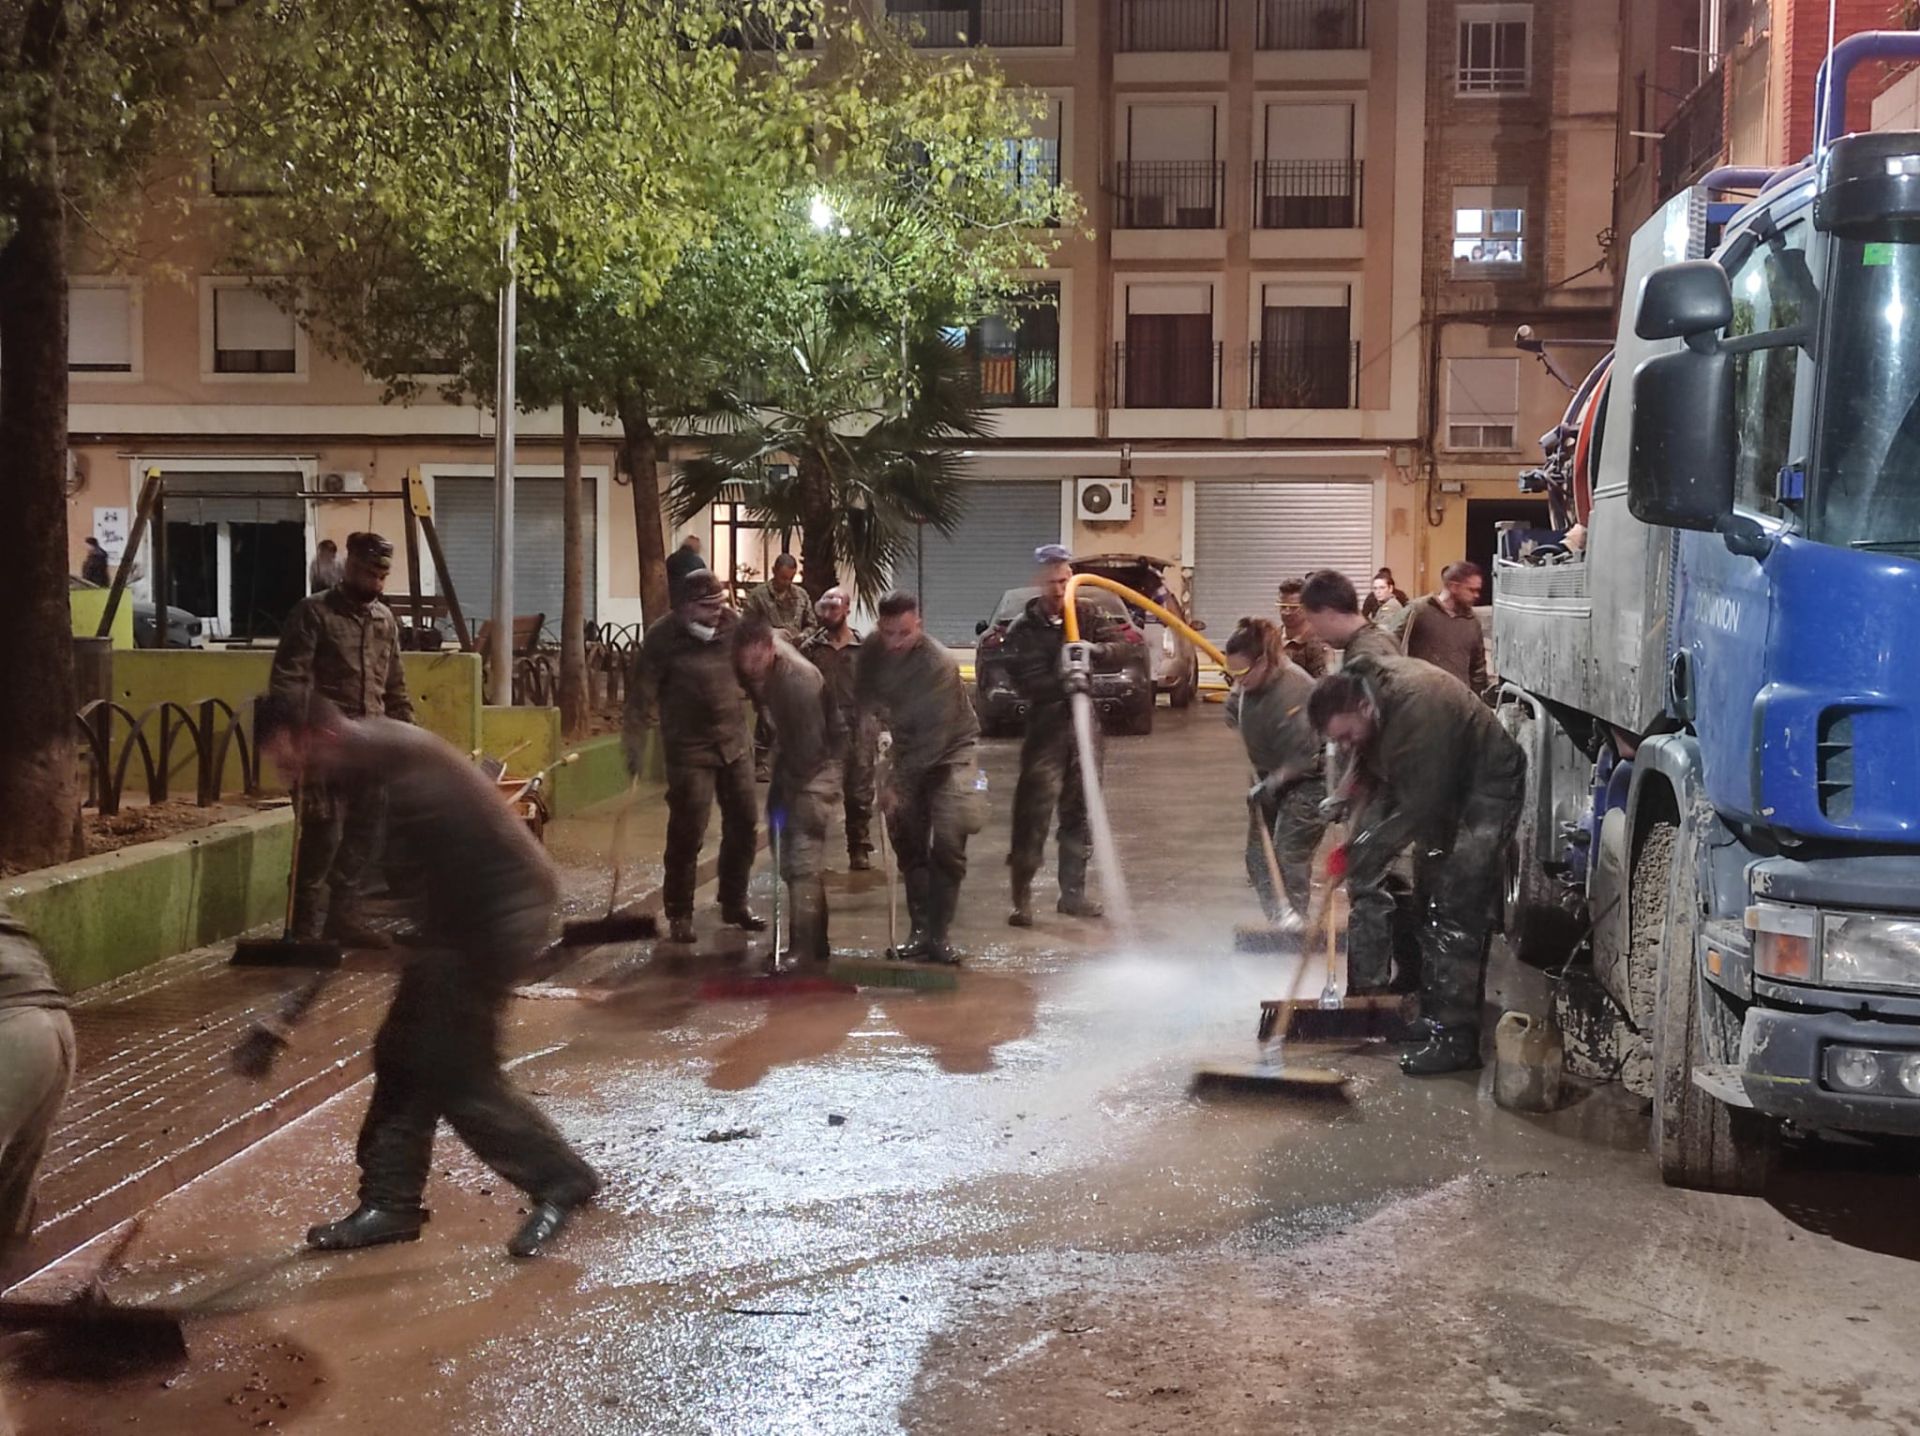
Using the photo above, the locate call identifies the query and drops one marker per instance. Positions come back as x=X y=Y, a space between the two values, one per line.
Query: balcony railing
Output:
x=1312 y=25
x=1171 y=25
x=1170 y=194
x=1018 y=376
x=943 y=24
x=1694 y=138
x=1305 y=376
x=1307 y=194
x=1167 y=376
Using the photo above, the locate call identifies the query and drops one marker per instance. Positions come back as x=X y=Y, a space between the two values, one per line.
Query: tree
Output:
x=91 y=93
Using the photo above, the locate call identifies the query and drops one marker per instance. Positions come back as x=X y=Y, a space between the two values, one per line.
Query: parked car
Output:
x=184 y=629
x=1122 y=687
x=1176 y=664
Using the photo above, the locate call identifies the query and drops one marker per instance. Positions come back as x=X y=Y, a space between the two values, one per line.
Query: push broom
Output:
x=286 y=950
x=615 y=927
x=889 y=971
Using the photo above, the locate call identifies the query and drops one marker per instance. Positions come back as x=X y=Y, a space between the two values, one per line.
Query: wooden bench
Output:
x=526 y=634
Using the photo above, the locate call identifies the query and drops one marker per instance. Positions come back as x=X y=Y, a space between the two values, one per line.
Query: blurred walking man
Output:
x=833 y=647
x=1050 y=777
x=342 y=644
x=805 y=785
x=684 y=684
x=488 y=891
x=1443 y=629
x=930 y=802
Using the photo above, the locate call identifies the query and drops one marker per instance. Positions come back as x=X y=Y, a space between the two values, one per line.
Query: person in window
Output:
x=326 y=569
x=1479 y=254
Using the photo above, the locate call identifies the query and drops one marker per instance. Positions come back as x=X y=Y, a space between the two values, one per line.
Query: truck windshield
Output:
x=1865 y=491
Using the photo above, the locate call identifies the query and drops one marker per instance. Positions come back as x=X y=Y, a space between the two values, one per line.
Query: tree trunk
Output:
x=39 y=794
x=819 y=567
x=573 y=583
x=642 y=456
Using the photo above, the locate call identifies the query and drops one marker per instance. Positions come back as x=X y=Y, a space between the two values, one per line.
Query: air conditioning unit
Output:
x=343 y=483
x=1103 y=501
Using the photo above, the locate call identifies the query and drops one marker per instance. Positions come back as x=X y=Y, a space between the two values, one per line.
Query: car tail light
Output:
x=992 y=638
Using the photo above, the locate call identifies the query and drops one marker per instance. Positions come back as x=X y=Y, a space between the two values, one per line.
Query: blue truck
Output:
x=1713 y=665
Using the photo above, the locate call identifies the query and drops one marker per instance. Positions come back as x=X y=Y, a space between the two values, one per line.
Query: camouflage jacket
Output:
x=347 y=652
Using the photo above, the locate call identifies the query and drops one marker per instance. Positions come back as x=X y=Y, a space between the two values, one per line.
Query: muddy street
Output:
x=1002 y=1209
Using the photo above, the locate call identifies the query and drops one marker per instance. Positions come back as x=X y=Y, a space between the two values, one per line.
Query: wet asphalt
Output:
x=892 y=1210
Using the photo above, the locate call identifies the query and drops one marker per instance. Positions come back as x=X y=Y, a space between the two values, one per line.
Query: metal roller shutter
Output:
x=463 y=510
x=1249 y=536
x=990 y=552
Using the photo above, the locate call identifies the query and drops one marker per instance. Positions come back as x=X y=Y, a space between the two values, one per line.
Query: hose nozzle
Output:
x=1076 y=667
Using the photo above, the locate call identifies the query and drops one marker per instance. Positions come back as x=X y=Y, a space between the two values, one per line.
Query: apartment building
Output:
x=1522 y=111
x=1225 y=369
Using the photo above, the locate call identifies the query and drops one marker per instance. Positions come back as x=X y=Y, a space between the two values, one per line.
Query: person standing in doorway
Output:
x=326 y=570
x=1442 y=628
x=930 y=800
x=343 y=645
x=685 y=686
x=832 y=648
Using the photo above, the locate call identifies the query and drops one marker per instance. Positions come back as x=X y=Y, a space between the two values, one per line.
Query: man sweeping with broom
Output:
x=488 y=892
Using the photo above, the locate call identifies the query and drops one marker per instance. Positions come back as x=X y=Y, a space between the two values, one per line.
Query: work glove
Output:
x=1337 y=863
x=259 y=1049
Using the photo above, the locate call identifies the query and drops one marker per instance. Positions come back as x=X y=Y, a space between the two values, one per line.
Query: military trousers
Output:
x=341 y=825
x=691 y=794
x=801 y=813
x=929 y=827
x=1293 y=818
x=1050 y=783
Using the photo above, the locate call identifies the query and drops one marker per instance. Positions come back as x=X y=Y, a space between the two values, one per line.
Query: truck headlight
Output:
x=1874 y=952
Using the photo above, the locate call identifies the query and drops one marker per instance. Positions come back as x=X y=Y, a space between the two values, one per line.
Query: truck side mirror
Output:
x=1680 y=470
x=1679 y=301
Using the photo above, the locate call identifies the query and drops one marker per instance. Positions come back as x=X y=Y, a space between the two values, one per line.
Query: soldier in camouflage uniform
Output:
x=1303 y=647
x=1434 y=772
x=785 y=607
x=1331 y=606
x=1050 y=776
x=805 y=784
x=1268 y=707
x=832 y=648
x=342 y=645
x=930 y=801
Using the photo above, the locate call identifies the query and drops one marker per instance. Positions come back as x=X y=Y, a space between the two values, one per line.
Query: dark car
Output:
x=1176 y=663
x=1122 y=688
x=184 y=629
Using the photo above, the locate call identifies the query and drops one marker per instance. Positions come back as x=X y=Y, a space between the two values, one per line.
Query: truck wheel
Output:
x=1543 y=913
x=1700 y=1143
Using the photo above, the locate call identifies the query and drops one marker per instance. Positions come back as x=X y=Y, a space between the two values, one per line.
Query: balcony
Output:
x=1017 y=376
x=1012 y=24
x=1169 y=194
x=1304 y=376
x=1694 y=138
x=1171 y=375
x=1311 y=25
x=1307 y=194
x=1171 y=26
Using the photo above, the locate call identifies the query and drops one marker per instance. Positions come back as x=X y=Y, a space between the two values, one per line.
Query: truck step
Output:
x=1722 y=1083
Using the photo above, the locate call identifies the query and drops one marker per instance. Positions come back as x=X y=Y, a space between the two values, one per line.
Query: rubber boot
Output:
x=680 y=929
x=1022 y=914
x=545 y=1222
x=1444 y=1049
x=943 y=899
x=860 y=860
x=807 y=940
x=743 y=918
x=367 y=1226
x=914 y=949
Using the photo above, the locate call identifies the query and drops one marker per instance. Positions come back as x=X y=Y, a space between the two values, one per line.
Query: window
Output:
x=101 y=329
x=946 y=24
x=1305 y=355
x=1489 y=226
x=235 y=176
x=1495 y=46
x=1483 y=403
x=1169 y=359
x=1170 y=178
x=1034 y=160
x=252 y=334
x=1017 y=358
x=1309 y=178
x=1765 y=298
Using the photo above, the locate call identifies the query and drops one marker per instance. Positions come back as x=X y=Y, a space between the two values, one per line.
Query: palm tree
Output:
x=851 y=435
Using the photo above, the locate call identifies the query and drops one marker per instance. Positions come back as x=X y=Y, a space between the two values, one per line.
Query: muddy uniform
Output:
x=1442 y=777
x=1049 y=756
x=807 y=741
x=856 y=755
x=1372 y=641
x=790 y=613
x=1272 y=721
x=36 y=1064
x=1452 y=642
x=487 y=894
x=688 y=687
x=348 y=653
x=931 y=771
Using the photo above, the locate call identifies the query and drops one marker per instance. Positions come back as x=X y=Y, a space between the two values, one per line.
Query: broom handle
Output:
x=293 y=862
x=886 y=850
x=619 y=835
x=1280 y=894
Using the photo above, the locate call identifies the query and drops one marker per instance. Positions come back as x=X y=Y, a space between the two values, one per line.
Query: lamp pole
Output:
x=500 y=655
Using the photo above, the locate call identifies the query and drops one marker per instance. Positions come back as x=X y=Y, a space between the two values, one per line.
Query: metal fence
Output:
x=1169 y=194
x=1312 y=25
x=1010 y=23
x=536 y=675
x=1307 y=194
x=1691 y=142
x=1304 y=376
x=1171 y=25
x=1167 y=376
x=211 y=727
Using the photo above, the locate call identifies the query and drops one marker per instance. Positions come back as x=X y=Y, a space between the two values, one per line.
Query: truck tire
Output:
x=1699 y=1142
x=1543 y=913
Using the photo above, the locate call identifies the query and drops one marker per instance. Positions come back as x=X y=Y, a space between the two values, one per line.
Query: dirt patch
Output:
x=148 y=824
